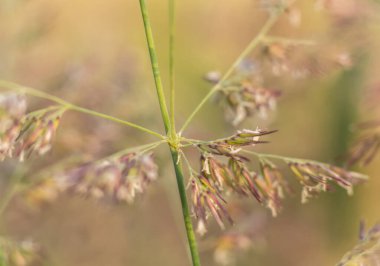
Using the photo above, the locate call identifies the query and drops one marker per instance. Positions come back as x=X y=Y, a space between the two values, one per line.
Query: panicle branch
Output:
x=69 y=106
x=117 y=178
x=24 y=134
x=224 y=170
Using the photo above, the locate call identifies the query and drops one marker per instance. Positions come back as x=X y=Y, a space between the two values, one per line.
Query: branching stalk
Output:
x=252 y=45
x=69 y=106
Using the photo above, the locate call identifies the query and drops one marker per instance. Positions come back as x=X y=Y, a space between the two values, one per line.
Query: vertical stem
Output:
x=155 y=68
x=185 y=209
x=171 y=63
x=169 y=127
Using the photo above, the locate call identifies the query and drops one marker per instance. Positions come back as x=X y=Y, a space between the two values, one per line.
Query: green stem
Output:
x=155 y=67
x=115 y=119
x=171 y=64
x=253 y=44
x=185 y=208
x=68 y=105
x=169 y=127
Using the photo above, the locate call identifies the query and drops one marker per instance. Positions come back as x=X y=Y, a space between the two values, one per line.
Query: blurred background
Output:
x=93 y=53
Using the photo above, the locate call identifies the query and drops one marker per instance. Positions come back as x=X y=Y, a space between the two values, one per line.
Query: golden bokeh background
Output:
x=93 y=53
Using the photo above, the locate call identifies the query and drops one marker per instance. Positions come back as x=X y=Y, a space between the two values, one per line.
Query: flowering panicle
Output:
x=316 y=177
x=118 y=179
x=367 y=251
x=205 y=198
x=17 y=253
x=224 y=170
x=272 y=186
x=230 y=146
x=23 y=134
x=245 y=93
x=12 y=110
x=248 y=99
x=37 y=133
x=217 y=178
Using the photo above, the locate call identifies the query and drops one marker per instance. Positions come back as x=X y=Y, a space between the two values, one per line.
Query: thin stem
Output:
x=253 y=44
x=189 y=167
x=68 y=105
x=155 y=67
x=172 y=63
x=115 y=119
x=185 y=208
x=173 y=137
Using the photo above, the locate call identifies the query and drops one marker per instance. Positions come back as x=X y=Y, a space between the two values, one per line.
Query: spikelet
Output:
x=12 y=110
x=117 y=179
x=21 y=134
x=224 y=170
x=273 y=186
x=317 y=177
x=217 y=178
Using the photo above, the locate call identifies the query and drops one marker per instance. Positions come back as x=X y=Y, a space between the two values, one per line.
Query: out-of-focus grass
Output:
x=93 y=52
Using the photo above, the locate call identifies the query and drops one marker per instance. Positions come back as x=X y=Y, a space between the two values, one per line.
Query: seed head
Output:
x=23 y=134
x=12 y=110
x=117 y=179
x=317 y=177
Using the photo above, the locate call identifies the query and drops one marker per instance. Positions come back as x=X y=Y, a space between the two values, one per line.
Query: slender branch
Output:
x=172 y=63
x=189 y=167
x=115 y=119
x=253 y=44
x=68 y=105
x=155 y=67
